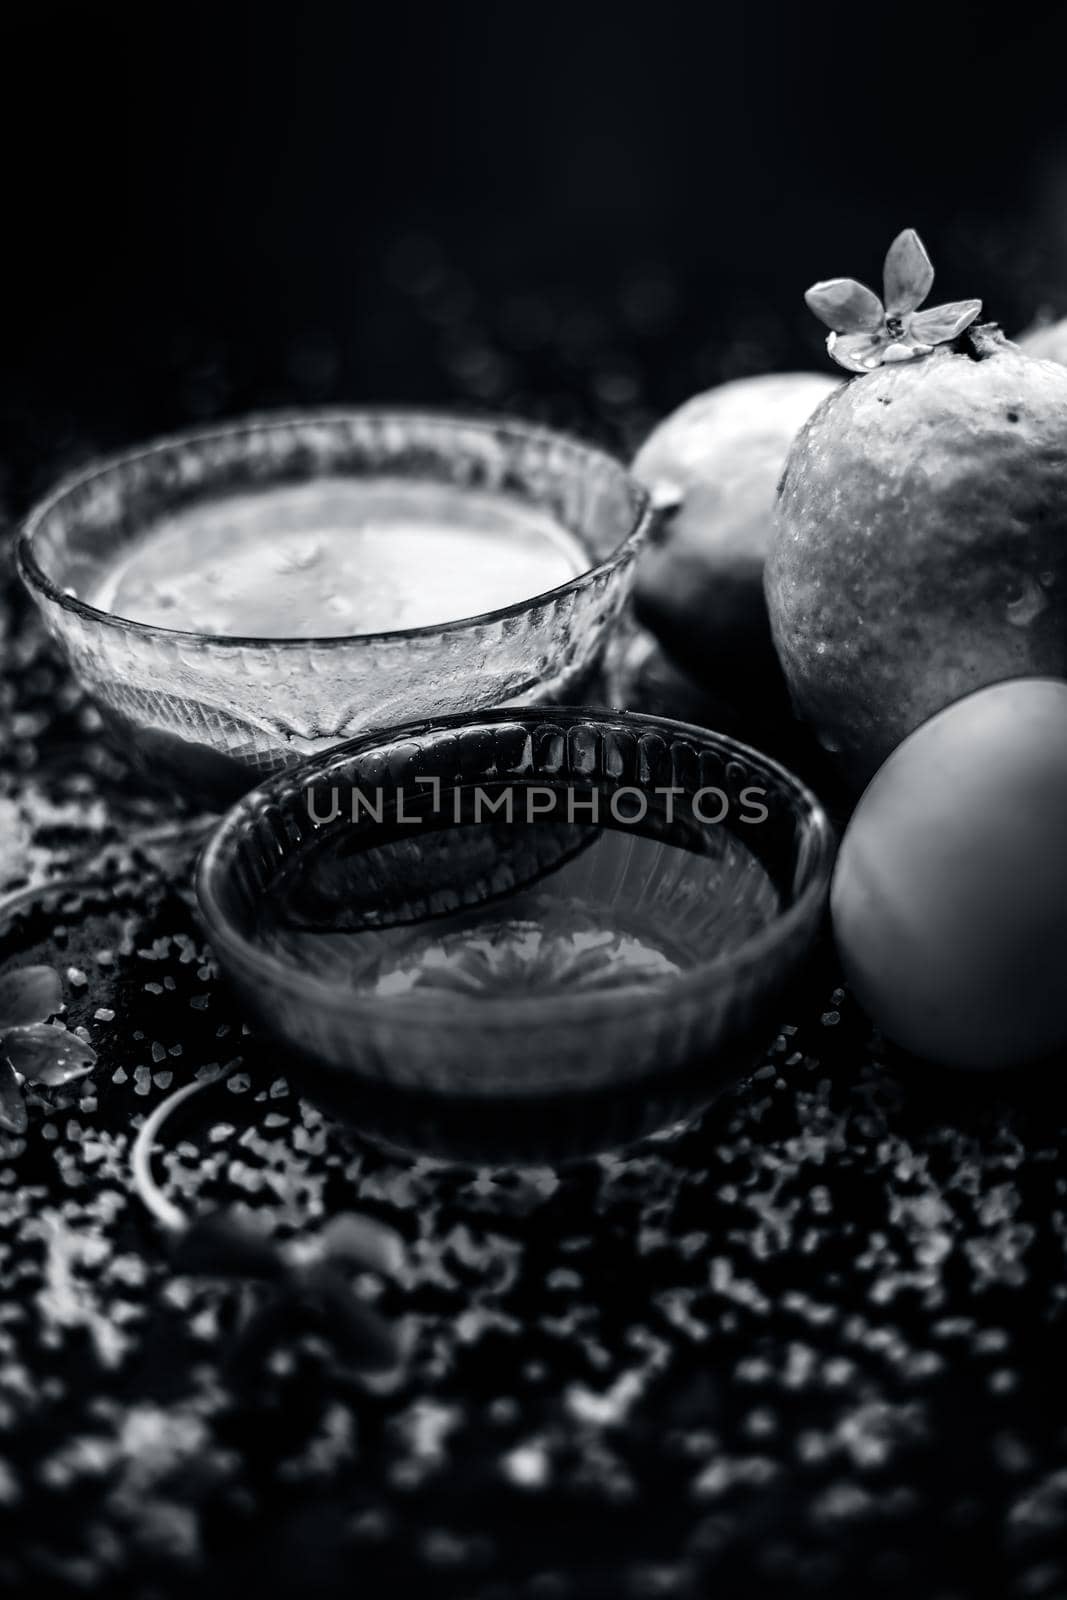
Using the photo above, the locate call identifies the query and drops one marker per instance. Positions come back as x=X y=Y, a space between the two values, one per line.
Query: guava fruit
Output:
x=714 y=465
x=921 y=542
x=1047 y=341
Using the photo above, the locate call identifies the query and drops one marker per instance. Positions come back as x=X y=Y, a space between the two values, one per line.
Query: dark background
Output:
x=583 y=212
x=214 y=206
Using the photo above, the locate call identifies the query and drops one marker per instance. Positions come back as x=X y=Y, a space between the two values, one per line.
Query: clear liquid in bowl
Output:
x=542 y=908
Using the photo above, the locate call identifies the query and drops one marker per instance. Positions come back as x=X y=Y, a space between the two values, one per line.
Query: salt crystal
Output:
x=527 y=1466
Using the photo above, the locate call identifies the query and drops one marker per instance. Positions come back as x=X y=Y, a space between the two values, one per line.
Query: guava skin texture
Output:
x=921 y=544
x=1046 y=342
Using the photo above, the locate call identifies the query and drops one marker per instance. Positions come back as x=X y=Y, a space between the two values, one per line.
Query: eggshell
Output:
x=949 y=898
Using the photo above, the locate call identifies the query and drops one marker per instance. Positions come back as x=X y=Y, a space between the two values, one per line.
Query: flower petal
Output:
x=845 y=305
x=12 y=1106
x=29 y=994
x=364 y=1243
x=942 y=323
x=46 y=1053
x=908 y=275
x=858 y=352
x=904 y=350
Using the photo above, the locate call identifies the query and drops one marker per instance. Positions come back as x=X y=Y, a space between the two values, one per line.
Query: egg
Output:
x=949 y=897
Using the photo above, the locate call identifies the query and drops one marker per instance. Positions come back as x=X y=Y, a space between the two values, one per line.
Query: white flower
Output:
x=867 y=333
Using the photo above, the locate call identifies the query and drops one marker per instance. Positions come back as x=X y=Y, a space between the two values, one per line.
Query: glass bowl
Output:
x=217 y=713
x=502 y=985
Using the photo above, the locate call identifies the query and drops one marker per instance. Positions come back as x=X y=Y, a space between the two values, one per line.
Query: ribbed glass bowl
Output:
x=413 y=1016
x=216 y=714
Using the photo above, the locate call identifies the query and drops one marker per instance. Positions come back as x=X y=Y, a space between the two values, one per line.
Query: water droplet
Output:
x=1028 y=601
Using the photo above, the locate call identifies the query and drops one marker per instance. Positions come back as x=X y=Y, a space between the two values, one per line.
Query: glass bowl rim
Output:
x=513 y=1008
x=37 y=580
